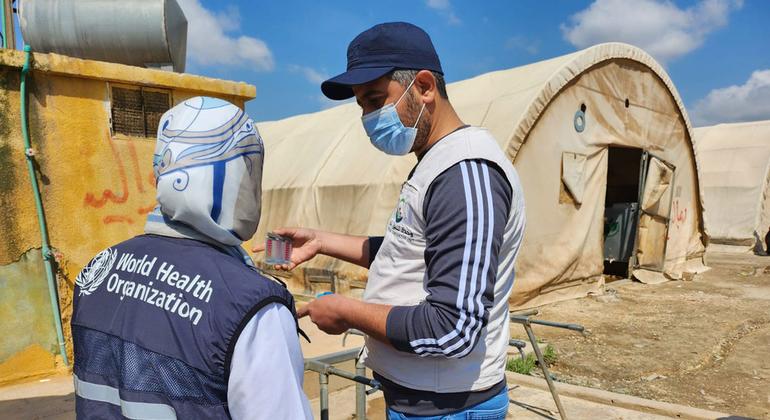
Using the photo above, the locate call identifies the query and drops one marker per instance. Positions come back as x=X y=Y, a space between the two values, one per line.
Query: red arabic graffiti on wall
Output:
x=678 y=216
x=120 y=198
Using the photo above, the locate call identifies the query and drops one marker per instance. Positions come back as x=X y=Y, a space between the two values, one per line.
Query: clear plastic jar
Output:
x=277 y=249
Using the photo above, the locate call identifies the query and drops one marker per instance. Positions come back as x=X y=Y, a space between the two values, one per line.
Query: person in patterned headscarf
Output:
x=177 y=322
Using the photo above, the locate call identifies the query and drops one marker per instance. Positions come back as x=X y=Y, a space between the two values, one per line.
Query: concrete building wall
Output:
x=97 y=187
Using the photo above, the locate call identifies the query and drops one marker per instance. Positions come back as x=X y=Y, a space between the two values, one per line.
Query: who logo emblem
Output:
x=96 y=271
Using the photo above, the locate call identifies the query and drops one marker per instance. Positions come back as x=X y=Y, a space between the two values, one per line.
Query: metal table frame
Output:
x=524 y=319
x=323 y=365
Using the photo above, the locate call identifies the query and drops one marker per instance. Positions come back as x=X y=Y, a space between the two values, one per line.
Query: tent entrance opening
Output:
x=621 y=208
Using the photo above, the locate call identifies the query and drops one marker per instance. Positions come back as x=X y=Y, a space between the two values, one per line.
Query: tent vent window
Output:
x=136 y=112
x=628 y=103
x=580 y=119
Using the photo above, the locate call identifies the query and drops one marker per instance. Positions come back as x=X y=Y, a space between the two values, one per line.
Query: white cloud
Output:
x=210 y=39
x=658 y=26
x=230 y=17
x=444 y=7
x=747 y=102
x=311 y=75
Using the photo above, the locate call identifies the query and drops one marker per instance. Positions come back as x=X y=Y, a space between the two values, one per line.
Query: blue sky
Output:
x=716 y=51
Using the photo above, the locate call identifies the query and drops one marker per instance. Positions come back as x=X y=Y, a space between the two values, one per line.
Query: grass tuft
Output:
x=522 y=366
x=525 y=366
x=549 y=355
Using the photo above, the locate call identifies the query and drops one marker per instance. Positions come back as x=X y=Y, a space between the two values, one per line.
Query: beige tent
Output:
x=575 y=128
x=735 y=166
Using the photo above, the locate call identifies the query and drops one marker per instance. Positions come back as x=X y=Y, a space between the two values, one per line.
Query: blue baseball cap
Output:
x=380 y=50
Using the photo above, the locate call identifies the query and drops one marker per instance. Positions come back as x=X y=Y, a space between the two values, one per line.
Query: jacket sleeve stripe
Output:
x=470 y=308
x=463 y=272
x=485 y=270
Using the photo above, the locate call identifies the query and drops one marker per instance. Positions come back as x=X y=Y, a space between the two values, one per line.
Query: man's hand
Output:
x=306 y=244
x=335 y=314
x=326 y=313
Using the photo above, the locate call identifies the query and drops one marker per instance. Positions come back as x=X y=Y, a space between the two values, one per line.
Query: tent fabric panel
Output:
x=735 y=162
x=573 y=167
x=655 y=198
x=563 y=241
x=651 y=241
x=649 y=276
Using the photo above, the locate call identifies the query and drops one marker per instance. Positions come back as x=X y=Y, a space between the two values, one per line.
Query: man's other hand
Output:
x=327 y=312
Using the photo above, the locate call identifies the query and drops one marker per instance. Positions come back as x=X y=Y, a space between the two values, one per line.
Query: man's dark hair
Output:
x=404 y=77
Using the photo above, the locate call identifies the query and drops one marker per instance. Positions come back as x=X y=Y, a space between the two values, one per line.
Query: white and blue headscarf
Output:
x=208 y=171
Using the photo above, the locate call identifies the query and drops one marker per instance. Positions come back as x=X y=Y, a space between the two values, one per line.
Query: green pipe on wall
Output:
x=2 y=23
x=48 y=258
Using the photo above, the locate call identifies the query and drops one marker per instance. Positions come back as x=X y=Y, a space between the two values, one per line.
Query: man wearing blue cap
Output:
x=435 y=308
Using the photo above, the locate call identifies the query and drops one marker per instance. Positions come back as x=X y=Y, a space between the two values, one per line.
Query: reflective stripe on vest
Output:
x=130 y=409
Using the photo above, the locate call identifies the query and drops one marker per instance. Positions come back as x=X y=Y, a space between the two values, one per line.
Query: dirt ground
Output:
x=703 y=343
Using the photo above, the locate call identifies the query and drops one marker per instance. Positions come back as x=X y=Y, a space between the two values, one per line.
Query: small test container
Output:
x=277 y=249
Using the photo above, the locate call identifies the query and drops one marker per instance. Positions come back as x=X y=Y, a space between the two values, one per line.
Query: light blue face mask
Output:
x=387 y=132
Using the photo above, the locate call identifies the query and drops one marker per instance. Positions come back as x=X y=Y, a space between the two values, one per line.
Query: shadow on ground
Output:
x=58 y=407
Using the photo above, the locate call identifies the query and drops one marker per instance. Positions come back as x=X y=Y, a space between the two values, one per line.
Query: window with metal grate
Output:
x=136 y=112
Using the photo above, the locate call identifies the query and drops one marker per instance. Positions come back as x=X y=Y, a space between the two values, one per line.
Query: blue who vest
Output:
x=154 y=326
